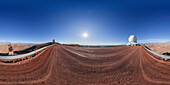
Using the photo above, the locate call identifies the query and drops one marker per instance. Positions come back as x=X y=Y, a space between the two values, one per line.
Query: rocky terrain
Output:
x=21 y=48
x=159 y=47
x=16 y=47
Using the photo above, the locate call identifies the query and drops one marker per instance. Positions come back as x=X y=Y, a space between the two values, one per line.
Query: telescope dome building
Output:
x=132 y=40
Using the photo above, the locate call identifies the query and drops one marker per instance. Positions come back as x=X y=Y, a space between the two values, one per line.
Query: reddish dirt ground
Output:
x=66 y=65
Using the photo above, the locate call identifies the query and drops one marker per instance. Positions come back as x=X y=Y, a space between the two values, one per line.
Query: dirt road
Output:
x=66 y=65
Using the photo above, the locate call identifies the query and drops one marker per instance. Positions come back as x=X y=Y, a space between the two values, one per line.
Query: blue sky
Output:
x=105 y=21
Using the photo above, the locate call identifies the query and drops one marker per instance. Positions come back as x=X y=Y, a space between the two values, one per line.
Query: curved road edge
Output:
x=24 y=55
x=157 y=54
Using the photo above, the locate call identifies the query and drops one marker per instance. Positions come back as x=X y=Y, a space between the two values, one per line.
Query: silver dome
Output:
x=133 y=39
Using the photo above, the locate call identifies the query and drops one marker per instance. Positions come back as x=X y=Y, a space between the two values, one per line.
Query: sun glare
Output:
x=85 y=35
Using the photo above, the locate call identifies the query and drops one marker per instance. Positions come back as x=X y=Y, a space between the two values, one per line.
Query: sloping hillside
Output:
x=160 y=48
x=16 y=47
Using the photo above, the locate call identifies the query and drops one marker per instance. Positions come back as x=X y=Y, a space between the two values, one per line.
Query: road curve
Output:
x=66 y=65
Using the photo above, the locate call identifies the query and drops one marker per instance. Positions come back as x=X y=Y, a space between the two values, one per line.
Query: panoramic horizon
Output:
x=85 y=42
x=84 y=22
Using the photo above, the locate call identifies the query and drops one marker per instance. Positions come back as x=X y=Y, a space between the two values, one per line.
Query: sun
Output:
x=85 y=35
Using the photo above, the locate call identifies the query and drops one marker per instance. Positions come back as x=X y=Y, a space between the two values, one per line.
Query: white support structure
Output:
x=166 y=57
x=23 y=55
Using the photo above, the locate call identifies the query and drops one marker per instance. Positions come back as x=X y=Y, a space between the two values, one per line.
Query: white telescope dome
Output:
x=133 y=39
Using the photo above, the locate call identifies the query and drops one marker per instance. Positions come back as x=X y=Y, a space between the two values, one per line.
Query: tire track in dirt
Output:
x=145 y=76
x=67 y=65
x=23 y=72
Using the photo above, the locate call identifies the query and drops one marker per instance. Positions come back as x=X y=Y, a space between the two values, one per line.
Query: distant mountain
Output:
x=1 y=43
x=159 y=47
x=16 y=47
x=158 y=43
x=29 y=44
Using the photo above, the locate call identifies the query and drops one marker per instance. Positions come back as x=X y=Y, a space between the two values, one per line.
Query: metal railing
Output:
x=166 y=57
x=23 y=55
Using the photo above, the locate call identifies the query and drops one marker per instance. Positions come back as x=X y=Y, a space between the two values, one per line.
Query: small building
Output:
x=53 y=41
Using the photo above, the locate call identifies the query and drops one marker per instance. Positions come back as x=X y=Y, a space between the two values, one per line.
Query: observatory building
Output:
x=132 y=41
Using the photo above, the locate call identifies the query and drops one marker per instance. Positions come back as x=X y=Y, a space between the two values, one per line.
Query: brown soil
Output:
x=160 y=48
x=22 y=49
x=16 y=47
x=66 y=65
